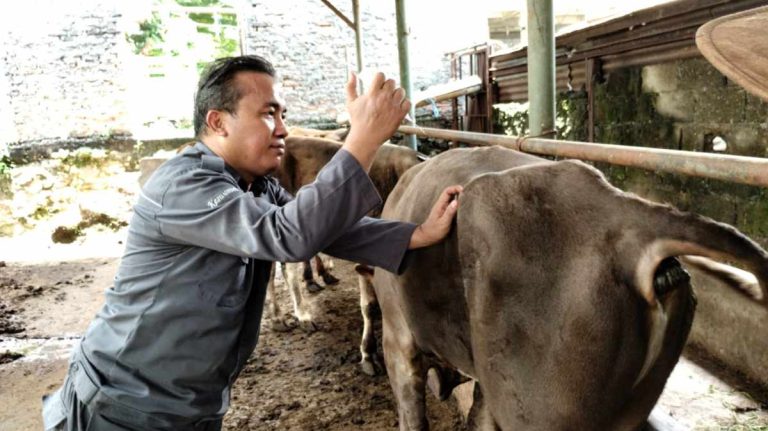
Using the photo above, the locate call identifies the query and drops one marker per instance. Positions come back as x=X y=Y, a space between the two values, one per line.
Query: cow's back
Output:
x=305 y=156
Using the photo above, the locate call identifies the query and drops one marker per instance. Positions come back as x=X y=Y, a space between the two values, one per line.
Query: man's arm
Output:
x=205 y=208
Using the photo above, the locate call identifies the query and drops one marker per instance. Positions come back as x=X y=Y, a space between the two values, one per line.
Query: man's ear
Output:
x=214 y=122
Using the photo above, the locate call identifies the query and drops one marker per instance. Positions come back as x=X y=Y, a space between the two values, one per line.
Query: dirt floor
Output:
x=295 y=381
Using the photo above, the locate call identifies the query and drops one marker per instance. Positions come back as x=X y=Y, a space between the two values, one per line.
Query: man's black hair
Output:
x=216 y=89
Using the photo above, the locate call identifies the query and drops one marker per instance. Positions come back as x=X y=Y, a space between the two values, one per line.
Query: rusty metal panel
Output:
x=649 y=36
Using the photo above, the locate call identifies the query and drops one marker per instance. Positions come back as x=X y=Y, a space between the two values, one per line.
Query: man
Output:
x=183 y=315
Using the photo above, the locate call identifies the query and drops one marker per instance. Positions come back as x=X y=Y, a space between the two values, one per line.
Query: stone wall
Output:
x=68 y=73
x=314 y=51
x=61 y=73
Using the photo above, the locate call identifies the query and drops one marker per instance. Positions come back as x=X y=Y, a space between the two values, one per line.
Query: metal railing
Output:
x=737 y=169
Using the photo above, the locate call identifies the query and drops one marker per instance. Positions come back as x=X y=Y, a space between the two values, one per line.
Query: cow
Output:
x=339 y=134
x=560 y=295
x=304 y=157
x=323 y=266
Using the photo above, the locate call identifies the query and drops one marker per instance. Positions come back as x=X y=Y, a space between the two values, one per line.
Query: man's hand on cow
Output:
x=373 y=116
x=438 y=223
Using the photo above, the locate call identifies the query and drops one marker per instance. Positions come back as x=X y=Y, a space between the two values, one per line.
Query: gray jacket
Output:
x=183 y=315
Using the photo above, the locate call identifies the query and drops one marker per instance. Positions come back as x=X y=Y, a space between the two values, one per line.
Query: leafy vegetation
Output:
x=6 y=164
x=150 y=33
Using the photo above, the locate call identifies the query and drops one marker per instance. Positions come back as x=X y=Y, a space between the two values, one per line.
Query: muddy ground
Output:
x=295 y=380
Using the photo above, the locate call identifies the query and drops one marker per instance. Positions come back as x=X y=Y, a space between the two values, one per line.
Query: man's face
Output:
x=256 y=132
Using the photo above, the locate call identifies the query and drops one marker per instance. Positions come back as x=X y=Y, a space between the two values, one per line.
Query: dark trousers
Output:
x=65 y=411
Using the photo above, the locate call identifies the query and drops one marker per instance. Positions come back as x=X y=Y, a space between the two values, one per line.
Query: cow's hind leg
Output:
x=407 y=370
x=370 y=363
x=441 y=380
x=480 y=418
x=301 y=307
x=280 y=322
x=309 y=278
x=324 y=270
x=407 y=376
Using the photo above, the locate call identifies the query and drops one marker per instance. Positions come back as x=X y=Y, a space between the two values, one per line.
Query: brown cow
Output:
x=323 y=266
x=304 y=157
x=556 y=292
x=339 y=134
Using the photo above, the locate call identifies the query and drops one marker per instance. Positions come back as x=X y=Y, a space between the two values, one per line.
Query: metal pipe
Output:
x=541 y=68
x=737 y=169
x=358 y=36
x=405 y=69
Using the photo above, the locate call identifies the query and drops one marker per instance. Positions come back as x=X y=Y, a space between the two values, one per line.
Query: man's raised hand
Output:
x=373 y=116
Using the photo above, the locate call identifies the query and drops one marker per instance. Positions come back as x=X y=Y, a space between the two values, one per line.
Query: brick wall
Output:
x=68 y=73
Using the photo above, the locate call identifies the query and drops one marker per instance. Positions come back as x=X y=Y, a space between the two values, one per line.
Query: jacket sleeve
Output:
x=280 y=196
x=375 y=242
x=204 y=208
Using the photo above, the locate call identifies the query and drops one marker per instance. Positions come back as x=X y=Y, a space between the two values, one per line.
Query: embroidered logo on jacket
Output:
x=213 y=203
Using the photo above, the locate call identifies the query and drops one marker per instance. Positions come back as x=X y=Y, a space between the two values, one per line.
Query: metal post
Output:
x=358 y=35
x=541 y=68
x=242 y=22
x=402 y=51
x=590 y=85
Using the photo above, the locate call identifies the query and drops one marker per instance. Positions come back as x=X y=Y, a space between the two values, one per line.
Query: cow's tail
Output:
x=697 y=240
x=700 y=242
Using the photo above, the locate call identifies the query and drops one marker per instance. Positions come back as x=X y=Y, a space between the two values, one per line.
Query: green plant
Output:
x=201 y=18
x=6 y=164
x=197 y=2
x=511 y=119
x=228 y=19
x=150 y=32
x=226 y=47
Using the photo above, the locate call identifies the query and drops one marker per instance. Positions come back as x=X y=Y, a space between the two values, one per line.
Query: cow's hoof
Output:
x=329 y=279
x=371 y=368
x=313 y=287
x=284 y=324
x=308 y=326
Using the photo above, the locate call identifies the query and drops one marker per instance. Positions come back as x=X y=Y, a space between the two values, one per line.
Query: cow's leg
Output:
x=442 y=379
x=300 y=305
x=407 y=376
x=407 y=371
x=480 y=418
x=309 y=278
x=324 y=270
x=280 y=322
x=370 y=363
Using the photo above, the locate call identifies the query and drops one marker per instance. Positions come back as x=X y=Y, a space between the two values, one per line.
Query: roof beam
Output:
x=339 y=13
